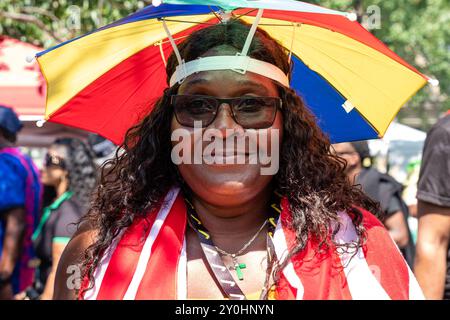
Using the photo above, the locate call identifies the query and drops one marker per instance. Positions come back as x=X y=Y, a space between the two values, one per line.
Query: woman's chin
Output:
x=225 y=185
x=229 y=188
x=229 y=192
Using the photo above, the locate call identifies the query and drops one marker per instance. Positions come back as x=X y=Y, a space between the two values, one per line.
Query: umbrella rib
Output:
x=277 y=24
x=244 y=14
x=217 y=16
x=157 y=43
x=192 y=22
x=213 y=24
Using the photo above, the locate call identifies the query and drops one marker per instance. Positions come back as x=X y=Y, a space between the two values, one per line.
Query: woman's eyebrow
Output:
x=243 y=85
x=197 y=81
x=250 y=83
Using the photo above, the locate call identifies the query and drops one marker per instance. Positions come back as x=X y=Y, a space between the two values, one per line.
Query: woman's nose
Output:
x=224 y=120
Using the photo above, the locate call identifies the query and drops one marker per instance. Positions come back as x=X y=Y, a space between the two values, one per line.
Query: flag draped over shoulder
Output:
x=148 y=261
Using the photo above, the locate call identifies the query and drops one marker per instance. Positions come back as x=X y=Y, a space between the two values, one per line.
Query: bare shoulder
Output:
x=68 y=274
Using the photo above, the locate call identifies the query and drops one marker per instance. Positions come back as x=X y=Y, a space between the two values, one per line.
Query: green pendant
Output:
x=238 y=267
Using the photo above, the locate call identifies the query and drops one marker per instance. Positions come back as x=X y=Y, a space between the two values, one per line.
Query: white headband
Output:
x=239 y=63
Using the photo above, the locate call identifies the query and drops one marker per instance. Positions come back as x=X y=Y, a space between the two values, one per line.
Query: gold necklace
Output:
x=236 y=265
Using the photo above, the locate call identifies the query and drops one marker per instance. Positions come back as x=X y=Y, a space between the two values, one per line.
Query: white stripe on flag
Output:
x=147 y=249
x=362 y=283
x=100 y=271
x=182 y=272
x=281 y=251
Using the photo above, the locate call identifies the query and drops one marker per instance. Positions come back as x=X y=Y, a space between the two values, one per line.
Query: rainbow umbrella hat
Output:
x=107 y=80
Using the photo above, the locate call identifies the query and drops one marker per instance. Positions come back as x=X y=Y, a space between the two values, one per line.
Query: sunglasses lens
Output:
x=256 y=113
x=189 y=109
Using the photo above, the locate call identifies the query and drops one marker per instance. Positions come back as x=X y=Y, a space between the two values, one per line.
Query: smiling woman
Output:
x=160 y=230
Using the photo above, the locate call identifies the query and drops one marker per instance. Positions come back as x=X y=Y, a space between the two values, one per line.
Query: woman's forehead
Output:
x=228 y=83
x=343 y=147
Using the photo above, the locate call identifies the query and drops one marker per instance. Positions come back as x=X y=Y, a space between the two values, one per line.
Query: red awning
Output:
x=22 y=86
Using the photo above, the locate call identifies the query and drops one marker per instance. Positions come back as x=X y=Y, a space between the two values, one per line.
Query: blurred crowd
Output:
x=40 y=209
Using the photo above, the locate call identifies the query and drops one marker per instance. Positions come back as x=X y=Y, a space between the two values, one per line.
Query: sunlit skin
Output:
x=231 y=200
x=430 y=265
x=230 y=184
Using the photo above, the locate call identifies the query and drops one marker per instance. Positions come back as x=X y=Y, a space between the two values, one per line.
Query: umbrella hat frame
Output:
x=107 y=80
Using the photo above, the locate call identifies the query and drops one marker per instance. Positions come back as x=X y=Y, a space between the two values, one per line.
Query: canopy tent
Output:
x=23 y=88
x=400 y=146
x=398 y=131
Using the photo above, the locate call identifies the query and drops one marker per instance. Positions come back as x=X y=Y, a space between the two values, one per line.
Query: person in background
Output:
x=383 y=189
x=432 y=264
x=410 y=191
x=103 y=149
x=69 y=168
x=20 y=204
x=409 y=195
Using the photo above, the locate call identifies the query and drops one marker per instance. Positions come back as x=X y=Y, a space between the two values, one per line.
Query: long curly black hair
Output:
x=82 y=175
x=310 y=176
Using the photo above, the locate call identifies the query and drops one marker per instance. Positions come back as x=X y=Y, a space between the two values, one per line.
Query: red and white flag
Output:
x=148 y=261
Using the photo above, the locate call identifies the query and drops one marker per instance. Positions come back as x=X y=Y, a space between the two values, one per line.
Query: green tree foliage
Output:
x=417 y=30
x=46 y=23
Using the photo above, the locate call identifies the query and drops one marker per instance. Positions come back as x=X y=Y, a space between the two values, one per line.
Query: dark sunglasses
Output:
x=249 y=112
x=54 y=161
